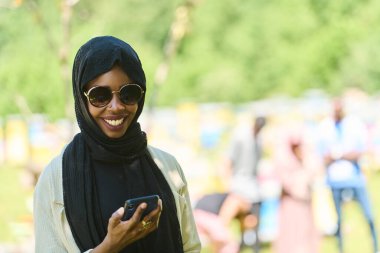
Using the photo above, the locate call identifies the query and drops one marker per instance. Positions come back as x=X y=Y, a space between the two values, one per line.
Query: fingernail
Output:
x=120 y=210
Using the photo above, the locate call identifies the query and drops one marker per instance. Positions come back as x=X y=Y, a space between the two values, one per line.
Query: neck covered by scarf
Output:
x=80 y=189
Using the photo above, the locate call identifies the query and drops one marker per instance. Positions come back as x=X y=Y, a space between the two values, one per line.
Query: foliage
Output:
x=234 y=51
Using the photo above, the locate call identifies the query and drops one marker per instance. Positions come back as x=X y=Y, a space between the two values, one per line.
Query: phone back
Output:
x=131 y=205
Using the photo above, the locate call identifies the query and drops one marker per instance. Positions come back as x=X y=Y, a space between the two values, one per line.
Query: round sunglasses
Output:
x=100 y=96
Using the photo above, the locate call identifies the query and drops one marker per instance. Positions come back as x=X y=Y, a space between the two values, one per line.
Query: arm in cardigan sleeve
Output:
x=46 y=234
x=47 y=238
x=191 y=241
x=176 y=179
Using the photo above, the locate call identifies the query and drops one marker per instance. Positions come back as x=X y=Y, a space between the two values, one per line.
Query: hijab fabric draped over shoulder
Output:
x=81 y=199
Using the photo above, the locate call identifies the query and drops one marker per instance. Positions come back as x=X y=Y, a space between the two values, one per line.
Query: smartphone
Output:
x=131 y=205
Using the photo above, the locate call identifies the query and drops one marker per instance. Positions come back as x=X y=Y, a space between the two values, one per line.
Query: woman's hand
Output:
x=122 y=233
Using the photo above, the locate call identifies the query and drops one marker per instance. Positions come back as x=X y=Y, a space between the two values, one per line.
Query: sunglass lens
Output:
x=130 y=94
x=100 y=96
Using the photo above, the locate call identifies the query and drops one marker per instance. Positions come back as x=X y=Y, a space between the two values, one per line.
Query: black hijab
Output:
x=82 y=204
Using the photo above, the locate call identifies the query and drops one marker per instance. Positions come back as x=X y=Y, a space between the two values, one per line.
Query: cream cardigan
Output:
x=52 y=231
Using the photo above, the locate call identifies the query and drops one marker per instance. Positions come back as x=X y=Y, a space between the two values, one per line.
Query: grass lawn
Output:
x=15 y=212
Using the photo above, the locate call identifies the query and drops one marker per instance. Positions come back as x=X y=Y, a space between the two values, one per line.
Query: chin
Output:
x=115 y=135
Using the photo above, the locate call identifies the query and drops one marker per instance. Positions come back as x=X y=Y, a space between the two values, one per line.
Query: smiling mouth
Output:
x=115 y=123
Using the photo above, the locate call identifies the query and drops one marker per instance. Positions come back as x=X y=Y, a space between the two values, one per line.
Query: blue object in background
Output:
x=269 y=219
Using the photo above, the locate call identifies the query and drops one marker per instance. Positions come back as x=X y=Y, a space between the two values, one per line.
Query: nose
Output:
x=116 y=103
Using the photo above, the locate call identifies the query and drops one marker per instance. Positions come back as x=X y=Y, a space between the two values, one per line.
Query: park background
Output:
x=210 y=65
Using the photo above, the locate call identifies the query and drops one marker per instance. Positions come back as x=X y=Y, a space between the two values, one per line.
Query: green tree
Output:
x=234 y=51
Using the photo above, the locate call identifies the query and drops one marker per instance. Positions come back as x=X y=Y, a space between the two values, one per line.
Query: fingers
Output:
x=160 y=204
x=153 y=218
x=116 y=217
x=145 y=226
x=125 y=232
x=139 y=212
x=159 y=214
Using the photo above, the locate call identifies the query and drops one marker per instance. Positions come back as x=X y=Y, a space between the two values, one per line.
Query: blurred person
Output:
x=79 y=197
x=211 y=226
x=342 y=142
x=296 y=169
x=241 y=168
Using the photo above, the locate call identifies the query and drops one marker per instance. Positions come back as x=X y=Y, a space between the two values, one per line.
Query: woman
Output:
x=297 y=169
x=79 y=196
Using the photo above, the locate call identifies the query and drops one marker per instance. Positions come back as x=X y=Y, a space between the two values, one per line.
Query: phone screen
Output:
x=131 y=205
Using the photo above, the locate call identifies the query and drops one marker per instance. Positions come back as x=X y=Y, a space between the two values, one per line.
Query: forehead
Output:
x=114 y=78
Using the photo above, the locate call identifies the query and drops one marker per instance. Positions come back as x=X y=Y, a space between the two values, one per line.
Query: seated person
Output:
x=213 y=225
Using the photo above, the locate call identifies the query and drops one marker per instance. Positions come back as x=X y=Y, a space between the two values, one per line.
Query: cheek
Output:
x=132 y=109
x=93 y=111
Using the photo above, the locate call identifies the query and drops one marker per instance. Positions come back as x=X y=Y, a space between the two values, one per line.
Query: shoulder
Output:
x=50 y=180
x=327 y=122
x=241 y=134
x=53 y=169
x=165 y=161
x=353 y=121
x=169 y=166
x=160 y=154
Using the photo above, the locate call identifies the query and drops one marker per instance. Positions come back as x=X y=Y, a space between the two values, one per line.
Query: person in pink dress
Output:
x=297 y=232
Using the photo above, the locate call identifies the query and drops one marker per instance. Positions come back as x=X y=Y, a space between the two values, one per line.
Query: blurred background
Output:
x=211 y=65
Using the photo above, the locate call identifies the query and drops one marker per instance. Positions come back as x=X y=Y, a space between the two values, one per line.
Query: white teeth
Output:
x=114 y=122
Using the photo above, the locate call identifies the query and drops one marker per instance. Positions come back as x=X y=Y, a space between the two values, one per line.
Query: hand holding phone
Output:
x=131 y=205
